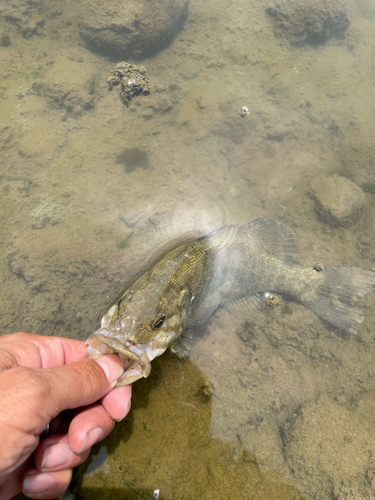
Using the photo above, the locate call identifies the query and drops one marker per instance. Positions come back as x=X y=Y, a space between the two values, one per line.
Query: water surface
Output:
x=278 y=406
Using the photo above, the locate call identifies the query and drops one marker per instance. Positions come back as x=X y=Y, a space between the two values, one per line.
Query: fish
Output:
x=236 y=267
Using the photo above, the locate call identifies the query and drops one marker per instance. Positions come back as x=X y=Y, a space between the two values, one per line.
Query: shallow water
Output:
x=280 y=406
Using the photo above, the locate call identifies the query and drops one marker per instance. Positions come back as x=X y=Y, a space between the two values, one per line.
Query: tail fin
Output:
x=334 y=301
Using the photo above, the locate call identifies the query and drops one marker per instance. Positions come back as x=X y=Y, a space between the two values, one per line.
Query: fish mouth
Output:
x=134 y=360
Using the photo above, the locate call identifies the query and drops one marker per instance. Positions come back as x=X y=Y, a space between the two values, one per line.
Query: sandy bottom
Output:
x=278 y=406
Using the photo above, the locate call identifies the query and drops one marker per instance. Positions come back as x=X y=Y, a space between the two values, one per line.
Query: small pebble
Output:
x=244 y=111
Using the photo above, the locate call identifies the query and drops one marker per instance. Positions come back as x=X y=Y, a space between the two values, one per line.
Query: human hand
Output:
x=40 y=378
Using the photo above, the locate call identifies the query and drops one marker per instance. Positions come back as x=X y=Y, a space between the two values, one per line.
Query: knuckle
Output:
x=38 y=384
x=91 y=376
x=84 y=378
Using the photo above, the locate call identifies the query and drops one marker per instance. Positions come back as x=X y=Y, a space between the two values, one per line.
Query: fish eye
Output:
x=159 y=320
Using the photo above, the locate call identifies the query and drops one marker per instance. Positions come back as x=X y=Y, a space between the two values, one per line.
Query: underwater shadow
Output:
x=164 y=448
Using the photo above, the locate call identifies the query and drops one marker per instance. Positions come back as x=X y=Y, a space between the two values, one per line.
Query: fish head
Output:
x=153 y=311
x=141 y=326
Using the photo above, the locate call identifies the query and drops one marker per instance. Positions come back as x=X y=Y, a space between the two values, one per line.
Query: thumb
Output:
x=31 y=397
x=81 y=383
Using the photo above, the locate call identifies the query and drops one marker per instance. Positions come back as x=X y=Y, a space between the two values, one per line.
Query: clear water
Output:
x=280 y=406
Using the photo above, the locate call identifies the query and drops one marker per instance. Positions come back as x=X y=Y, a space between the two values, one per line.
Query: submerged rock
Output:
x=338 y=200
x=133 y=29
x=133 y=81
x=309 y=22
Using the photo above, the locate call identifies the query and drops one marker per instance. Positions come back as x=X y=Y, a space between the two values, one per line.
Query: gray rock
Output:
x=132 y=29
x=309 y=22
x=338 y=200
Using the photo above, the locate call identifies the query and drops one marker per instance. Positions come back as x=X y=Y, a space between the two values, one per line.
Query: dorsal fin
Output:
x=220 y=238
x=278 y=239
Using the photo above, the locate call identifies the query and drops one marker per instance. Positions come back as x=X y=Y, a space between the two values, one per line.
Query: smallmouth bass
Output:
x=231 y=265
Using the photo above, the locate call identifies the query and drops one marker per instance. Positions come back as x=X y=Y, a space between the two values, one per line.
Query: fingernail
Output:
x=56 y=455
x=125 y=412
x=37 y=483
x=112 y=367
x=92 y=437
